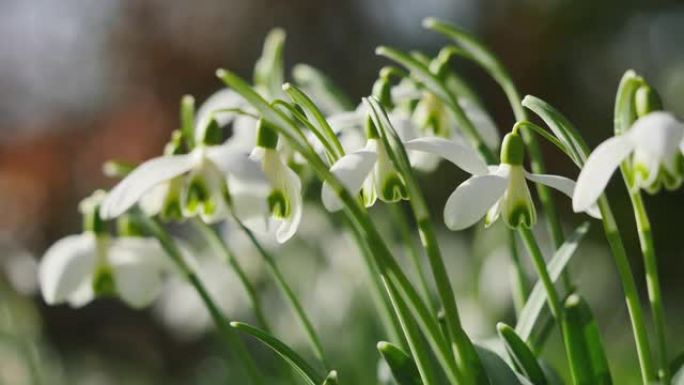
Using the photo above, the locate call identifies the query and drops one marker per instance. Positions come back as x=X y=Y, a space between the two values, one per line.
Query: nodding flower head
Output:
x=78 y=268
x=652 y=149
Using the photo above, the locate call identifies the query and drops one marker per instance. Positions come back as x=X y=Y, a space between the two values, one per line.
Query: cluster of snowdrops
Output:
x=247 y=154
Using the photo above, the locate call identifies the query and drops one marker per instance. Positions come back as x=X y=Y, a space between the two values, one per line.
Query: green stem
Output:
x=389 y=318
x=652 y=282
x=290 y=296
x=217 y=242
x=229 y=335
x=631 y=295
x=540 y=265
x=520 y=290
x=414 y=254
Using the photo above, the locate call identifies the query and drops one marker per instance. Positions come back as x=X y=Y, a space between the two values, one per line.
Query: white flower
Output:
x=491 y=190
x=655 y=144
x=215 y=107
x=204 y=191
x=280 y=203
x=77 y=268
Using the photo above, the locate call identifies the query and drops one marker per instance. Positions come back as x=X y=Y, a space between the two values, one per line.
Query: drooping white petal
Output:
x=66 y=266
x=596 y=173
x=244 y=133
x=457 y=152
x=482 y=121
x=471 y=200
x=152 y=202
x=343 y=121
x=234 y=161
x=562 y=184
x=352 y=169
x=403 y=124
x=137 y=266
x=658 y=134
x=141 y=180
x=221 y=99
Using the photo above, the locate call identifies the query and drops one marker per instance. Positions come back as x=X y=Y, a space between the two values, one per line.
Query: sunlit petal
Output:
x=562 y=184
x=235 y=161
x=138 y=268
x=293 y=189
x=471 y=200
x=457 y=152
x=141 y=180
x=597 y=171
x=351 y=170
x=658 y=134
x=66 y=266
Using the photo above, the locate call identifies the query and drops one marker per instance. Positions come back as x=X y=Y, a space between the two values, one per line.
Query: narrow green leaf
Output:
x=579 y=315
x=310 y=375
x=624 y=114
x=496 y=368
x=561 y=127
x=575 y=343
x=321 y=88
x=535 y=302
x=331 y=379
x=401 y=365
x=521 y=355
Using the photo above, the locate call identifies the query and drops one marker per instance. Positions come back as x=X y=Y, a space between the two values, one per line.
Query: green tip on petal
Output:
x=520 y=216
x=394 y=189
x=103 y=282
x=513 y=150
x=647 y=100
x=278 y=205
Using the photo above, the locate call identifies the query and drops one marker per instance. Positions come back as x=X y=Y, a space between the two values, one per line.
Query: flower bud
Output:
x=382 y=90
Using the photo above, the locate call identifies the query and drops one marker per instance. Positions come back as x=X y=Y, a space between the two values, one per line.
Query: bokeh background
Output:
x=84 y=82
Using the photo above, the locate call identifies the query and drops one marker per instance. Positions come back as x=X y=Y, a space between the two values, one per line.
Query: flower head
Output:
x=80 y=267
x=653 y=146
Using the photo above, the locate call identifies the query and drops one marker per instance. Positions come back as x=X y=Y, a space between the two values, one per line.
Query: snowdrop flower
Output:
x=279 y=202
x=492 y=191
x=196 y=182
x=653 y=146
x=369 y=171
x=80 y=267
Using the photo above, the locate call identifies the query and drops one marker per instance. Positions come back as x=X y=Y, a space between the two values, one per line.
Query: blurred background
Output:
x=84 y=82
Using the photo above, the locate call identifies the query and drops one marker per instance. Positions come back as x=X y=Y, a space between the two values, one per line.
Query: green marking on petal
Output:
x=393 y=189
x=520 y=215
x=278 y=204
x=197 y=194
x=103 y=282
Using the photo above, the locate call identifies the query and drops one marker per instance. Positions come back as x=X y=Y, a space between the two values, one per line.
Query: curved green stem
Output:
x=291 y=297
x=652 y=283
x=217 y=242
x=520 y=290
x=229 y=335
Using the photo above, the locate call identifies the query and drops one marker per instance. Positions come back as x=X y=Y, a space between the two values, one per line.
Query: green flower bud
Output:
x=382 y=90
x=513 y=149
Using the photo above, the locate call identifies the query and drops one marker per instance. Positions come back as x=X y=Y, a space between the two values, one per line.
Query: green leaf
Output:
x=331 y=379
x=588 y=365
x=523 y=359
x=677 y=367
x=498 y=371
x=327 y=95
x=561 y=127
x=624 y=113
x=401 y=365
x=269 y=70
x=309 y=374
x=535 y=302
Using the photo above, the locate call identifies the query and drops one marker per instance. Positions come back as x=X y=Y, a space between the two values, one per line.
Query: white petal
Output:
x=66 y=266
x=598 y=169
x=405 y=127
x=233 y=161
x=141 y=180
x=351 y=170
x=482 y=121
x=137 y=265
x=221 y=99
x=244 y=133
x=293 y=188
x=152 y=202
x=659 y=134
x=471 y=200
x=345 y=120
x=458 y=153
x=562 y=184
